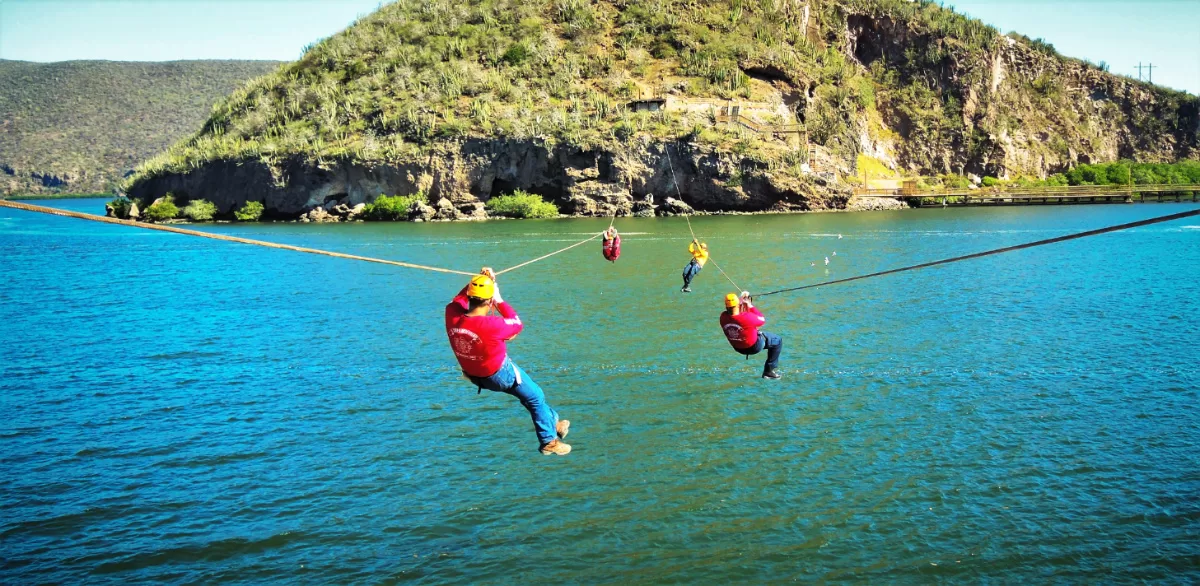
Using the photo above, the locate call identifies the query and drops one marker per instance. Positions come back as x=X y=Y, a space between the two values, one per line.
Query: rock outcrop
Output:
x=463 y=179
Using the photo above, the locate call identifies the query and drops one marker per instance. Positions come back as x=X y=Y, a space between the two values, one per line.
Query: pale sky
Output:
x=166 y=30
x=1121 y=33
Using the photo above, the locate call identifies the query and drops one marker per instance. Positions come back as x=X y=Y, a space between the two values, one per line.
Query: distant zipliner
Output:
x=611 y=245
x=699 y=252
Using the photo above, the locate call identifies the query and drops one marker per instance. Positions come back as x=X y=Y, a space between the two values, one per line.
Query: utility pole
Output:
x=1149 y=69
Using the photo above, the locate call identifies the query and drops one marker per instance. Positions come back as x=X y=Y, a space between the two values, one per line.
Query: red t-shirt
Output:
x=742 y=329
x=479 y=341
x=612 y=248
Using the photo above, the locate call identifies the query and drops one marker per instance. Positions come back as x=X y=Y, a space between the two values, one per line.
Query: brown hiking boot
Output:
x=562 y=427
x=556 y=447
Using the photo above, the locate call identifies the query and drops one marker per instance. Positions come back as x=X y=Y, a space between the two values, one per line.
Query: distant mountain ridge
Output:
x=81 y=126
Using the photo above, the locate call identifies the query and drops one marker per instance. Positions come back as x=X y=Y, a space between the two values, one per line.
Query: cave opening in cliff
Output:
x=865 y=38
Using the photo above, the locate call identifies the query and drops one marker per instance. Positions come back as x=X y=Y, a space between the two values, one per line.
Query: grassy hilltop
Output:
x=81 y=125
x=465 y=100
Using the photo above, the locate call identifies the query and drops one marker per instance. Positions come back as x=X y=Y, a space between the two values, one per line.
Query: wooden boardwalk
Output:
x=1079 y=194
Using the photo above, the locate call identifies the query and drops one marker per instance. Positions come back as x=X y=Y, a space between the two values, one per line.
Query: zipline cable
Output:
x=581 y=242
x=727 y=277
x=545 y=256
x=675 y=182
x=1096 y=232
x=213 y=236
x=186 y=232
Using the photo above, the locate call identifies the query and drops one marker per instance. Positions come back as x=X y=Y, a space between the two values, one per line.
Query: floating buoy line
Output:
x=226 y=238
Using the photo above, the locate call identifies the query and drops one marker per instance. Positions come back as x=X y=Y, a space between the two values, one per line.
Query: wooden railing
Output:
x=1064 y=191
x=1043 y=195
x=762 y=128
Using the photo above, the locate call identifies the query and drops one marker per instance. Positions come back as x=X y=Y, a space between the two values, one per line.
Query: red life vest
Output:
x=612 y=248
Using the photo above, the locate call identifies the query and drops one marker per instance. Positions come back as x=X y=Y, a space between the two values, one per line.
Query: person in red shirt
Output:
x=611 y=244
x=740 y=322
x=479 y=342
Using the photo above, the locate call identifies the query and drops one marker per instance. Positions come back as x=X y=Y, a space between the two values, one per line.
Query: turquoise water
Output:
x=198 y=411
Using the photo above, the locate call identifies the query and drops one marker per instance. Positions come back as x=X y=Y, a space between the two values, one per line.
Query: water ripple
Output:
x=181 y=410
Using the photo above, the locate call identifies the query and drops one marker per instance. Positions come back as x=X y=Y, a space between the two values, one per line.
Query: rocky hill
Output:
x=597 y=104
x=80 y=126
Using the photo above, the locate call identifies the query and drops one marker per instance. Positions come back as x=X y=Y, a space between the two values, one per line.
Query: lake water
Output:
x=190 y=410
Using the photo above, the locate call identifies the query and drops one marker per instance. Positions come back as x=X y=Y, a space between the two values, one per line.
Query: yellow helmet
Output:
x=481 y=287
x=731 y=300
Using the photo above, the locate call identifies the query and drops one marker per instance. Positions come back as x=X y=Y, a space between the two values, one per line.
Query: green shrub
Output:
x=990 y=182
x=956 y=182
x=121 y=207
x=251 y=212
x=391 y=208
x=520 y=204
x=200 y=210
x=163 y=210
x=516 y=54
x=1057 y=180
x=1118 y=174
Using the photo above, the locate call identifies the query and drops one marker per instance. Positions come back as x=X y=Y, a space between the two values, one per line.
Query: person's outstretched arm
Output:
x=509 y=324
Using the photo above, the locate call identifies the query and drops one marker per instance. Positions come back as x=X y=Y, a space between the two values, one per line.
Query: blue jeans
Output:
x=690 y=272
x=774 y=346
x=512 y=380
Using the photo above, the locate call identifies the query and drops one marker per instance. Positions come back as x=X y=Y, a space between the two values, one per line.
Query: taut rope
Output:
x=545 y=256
x=186 y=232
x=1116 y=228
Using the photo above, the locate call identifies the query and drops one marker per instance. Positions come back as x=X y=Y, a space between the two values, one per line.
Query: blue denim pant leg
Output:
x=690 y=272
x=774 y=346
x=772 y=343
x=512 y=380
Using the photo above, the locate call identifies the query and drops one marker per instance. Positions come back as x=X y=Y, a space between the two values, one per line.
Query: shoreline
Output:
x=893 y=204
x=697 y=214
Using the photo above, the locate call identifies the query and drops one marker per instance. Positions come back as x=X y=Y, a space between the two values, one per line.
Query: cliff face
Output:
x=760 y=106
x=1024 y=110
x=580 y=183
